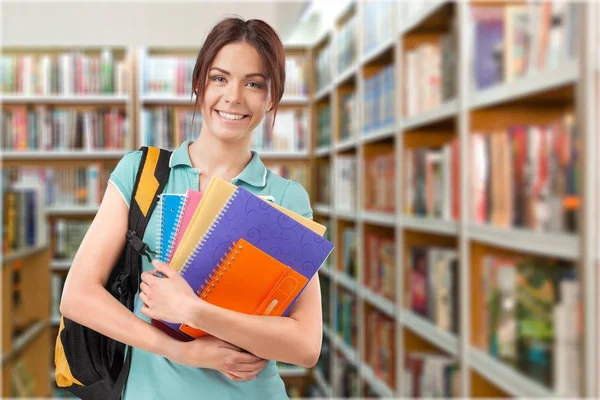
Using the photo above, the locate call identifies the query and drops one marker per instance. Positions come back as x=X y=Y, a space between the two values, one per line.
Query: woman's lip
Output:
x=232 y=113
x=230 y=121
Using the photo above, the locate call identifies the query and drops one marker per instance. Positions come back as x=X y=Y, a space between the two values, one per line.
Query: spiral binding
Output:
x=215 y=276
x=207 y=234
x=175 y=235
x=159 y=231
x=161 y=244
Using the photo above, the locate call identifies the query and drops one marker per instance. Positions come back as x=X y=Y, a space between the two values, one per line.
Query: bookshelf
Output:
x=539 y=96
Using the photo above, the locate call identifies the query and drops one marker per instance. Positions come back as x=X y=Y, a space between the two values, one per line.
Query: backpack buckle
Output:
x=120 y=285
x=139 y=246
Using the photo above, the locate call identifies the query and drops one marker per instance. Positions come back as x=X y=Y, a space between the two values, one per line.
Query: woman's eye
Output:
x=255 y=85
x=218 y=79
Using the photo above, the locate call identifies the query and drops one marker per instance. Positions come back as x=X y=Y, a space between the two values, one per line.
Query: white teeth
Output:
x=232 y=117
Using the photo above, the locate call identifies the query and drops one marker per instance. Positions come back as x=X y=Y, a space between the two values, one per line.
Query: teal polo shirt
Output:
x=155 y=377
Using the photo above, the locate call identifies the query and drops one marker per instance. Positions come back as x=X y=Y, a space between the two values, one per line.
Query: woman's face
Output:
x=237 y=93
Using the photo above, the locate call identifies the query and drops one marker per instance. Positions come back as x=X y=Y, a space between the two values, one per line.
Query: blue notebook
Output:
x=169 y=212
x=270 y=230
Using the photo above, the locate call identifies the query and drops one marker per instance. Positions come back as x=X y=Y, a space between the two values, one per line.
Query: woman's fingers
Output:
x=248 y=368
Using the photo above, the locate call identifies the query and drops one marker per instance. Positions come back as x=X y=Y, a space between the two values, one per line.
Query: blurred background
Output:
x=451 y=148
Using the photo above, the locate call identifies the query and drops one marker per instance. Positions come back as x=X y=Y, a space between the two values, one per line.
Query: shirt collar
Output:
x=254 y=174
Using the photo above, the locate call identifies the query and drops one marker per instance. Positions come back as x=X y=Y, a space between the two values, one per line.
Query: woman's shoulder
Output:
x=123 y=176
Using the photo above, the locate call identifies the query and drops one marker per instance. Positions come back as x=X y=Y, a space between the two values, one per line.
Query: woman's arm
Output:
x=295 y=339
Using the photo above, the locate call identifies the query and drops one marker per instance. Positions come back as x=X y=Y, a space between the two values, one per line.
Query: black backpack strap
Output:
x=150 y=182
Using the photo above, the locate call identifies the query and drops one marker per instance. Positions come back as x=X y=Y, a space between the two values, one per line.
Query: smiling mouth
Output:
x=231 y=116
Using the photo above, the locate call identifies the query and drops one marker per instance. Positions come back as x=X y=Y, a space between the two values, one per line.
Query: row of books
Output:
x=348 y=249
x=289 y=133
x=514 y=41
x=323 y=67
x=68 y=235
x=64 y=74
x=168 y=75
x=347 y=318
x=325 y=299
x=380 y=341
x=348 y=113
x=324 y=183
x=531 y=178
x=296 y=72
x=530 y=318
x=324 y=125
x=298 y=173
x=380 y=264
x=347 y=377
x=378 y=100
x=45 y=128
x=433 y=285
x=379 y=23
x=346 y=45
x=431 y=181
x=21 y=219
x=323 y=364
x=168 y=127
x=344 y=180
x=430 y=375
x=380 y=173
x=430 y=75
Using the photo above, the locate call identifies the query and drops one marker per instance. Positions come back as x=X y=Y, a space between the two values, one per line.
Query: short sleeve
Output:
x=295 y=198
x=123 y=176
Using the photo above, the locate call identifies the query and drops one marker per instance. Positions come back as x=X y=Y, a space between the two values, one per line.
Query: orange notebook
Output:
x=251 y=282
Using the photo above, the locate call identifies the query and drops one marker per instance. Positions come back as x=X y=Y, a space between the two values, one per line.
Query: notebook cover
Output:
x=192 y=199
x=251 y=282
x=170 y=206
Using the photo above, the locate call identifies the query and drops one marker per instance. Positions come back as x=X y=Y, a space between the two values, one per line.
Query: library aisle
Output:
x=452 y=150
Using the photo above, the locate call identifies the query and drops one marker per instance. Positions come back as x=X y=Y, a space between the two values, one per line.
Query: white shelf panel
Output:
x=293 y=371
x=532 y=84
x=561 y=245
x=445 y=111
x=382 y=133
x=24 y=339
x=61 y=265
x=328 y=332
x=506 y=377
x=282 y=155
x=429 y=225
x=346 y=350
x=294 y=101
x=323 y=150
x=323 y=209
x=321 y=94
x=428 y=9
x=378 y=301
x=350 y=215
x=379 y=218
x=72 y=210
x=386 y=45
x=322 y=383
x=374 y=382
x=327 y=271
x=168 y=99
x=55 y=321
x=427 y=330
x=63 y=99
x=26 y=252
x=346 y=281
x=347 y=144
x=344 y=76
x=62 y=155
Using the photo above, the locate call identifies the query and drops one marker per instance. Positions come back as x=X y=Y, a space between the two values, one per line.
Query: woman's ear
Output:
x=270 y=107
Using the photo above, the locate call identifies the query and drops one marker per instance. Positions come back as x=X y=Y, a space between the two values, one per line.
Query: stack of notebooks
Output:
x=238 y=251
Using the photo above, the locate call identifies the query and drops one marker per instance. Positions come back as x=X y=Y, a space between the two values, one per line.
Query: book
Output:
x=192 y=199
x=169 y=211
x=236 y=284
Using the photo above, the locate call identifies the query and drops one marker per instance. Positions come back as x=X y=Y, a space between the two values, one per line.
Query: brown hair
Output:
x=259 y=35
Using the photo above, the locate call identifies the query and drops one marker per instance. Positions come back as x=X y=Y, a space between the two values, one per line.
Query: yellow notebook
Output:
x=215 y=196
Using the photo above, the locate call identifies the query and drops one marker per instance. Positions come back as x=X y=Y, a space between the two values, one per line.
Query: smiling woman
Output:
x=239 y=76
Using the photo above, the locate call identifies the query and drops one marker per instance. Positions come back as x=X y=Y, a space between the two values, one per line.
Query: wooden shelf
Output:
x=378 y=51
x=346 y=350
x=429 y=8
x=328 y=332
x=445 y=111
x=345 y=145
x=293 y=371
x=346 y=281
x=282 y=155
x=23 y=340
x=23 y=253
x=323 y=151
x=99 y=99
x=323 y=93
x=346 y=75
x=378 y=301
x=429 y=225
x=518 y=89
x=63 y=155
x=349 y=215
x=565 y=246
x=379 y=386
x=506 y=377
x=327 y=271
x=322 y=383
x=72 y=210
x=382 y=133
x=61 y=265
x=186 y=100
x=427 y=330
x=379 y=218
x=323 y=209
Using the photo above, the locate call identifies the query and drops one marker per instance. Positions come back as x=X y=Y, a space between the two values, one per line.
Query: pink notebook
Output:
x=192 y=199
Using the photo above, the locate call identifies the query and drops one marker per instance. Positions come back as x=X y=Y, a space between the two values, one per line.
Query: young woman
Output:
x=239 y=77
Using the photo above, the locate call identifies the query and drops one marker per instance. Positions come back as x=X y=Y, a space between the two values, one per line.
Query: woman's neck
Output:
x=215 y=157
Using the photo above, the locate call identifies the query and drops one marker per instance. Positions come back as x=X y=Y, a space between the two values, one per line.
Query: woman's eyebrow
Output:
x=247 y=75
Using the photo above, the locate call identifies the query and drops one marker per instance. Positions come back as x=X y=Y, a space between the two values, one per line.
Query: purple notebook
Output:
x=248 y=217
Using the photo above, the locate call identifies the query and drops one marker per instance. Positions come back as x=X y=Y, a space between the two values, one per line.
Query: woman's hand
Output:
x=167 y=298
x=213 y=353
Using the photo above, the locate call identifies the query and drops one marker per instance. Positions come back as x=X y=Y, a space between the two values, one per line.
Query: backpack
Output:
x=91 y=365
